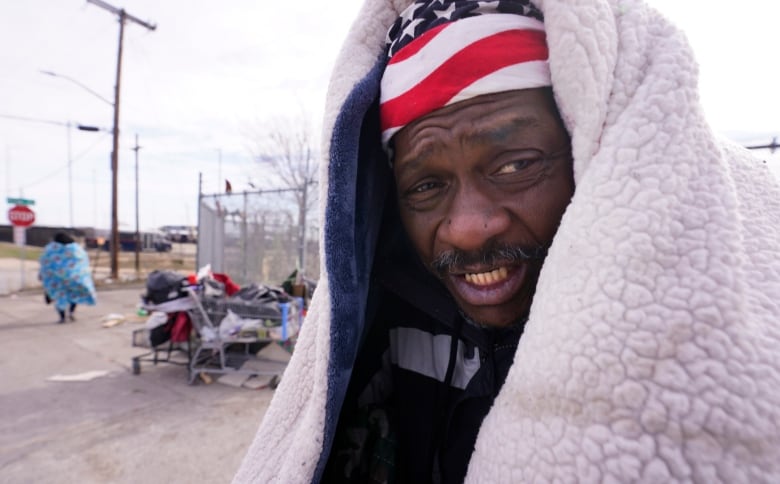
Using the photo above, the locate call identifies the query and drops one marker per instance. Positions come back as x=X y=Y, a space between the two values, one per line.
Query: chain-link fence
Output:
x=256 y=236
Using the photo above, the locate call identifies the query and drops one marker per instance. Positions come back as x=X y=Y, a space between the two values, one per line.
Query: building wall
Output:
x=39 y=236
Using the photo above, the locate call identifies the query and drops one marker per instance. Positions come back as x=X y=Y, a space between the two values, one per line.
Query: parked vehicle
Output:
x=149 y=241
x=180 y=233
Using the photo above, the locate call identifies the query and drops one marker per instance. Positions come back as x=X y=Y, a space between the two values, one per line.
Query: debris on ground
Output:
x=113 y=319
x=86 y=376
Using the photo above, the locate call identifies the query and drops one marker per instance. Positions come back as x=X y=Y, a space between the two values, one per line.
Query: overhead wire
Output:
x=73 y=161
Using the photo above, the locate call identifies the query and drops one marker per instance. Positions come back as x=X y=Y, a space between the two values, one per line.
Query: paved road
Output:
x=118 y=428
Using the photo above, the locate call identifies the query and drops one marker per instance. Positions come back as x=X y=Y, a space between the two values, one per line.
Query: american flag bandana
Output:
x=442 y=52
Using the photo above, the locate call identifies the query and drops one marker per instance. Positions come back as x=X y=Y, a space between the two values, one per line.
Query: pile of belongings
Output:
x=163 y=327
x=257 y=300
x=164 y=286
x=166 y=295
x=217 y=285
x=254 y=311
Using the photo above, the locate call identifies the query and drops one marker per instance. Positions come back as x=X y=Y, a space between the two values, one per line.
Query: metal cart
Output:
x=169 y=352
x=230 y=331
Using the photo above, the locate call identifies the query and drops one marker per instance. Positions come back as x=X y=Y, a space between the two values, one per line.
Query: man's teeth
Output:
x=487 y=278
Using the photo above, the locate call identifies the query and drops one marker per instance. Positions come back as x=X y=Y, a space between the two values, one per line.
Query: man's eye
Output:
x=424 y=187
x=423 y=195
x=517 y=166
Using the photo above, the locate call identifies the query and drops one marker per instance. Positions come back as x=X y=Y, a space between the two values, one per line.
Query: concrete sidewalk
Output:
x=117 y=428
x=16 y=274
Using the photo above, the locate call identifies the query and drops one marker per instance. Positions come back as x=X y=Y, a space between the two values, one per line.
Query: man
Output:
x=478 y=316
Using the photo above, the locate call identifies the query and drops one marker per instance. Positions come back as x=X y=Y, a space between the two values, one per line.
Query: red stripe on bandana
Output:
x=472 y=63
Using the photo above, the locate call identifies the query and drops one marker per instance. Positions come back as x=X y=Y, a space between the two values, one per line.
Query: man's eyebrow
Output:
x=484 y=135
x=500 y=132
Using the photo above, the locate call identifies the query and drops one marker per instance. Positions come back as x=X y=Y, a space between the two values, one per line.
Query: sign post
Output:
x=21 y=217
x=20 y=236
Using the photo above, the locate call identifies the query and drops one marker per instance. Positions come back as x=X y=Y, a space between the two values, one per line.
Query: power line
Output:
x=32 y=120
x=65 y=166
x=27 y=119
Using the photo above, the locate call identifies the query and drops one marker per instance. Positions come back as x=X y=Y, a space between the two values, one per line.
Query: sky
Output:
x=200 y=89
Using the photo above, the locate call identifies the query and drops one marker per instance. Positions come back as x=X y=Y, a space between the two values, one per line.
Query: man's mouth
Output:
x=490 y=287
x=495 y=260
x=492 y=276
x=487 y=278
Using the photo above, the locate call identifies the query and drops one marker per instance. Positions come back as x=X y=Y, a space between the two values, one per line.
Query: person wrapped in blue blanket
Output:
x=64 y=272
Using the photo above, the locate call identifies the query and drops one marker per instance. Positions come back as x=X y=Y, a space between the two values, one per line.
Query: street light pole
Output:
x=80 y=127
x=74 y=81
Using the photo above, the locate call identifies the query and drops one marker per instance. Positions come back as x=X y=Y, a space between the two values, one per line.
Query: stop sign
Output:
x=21 y=216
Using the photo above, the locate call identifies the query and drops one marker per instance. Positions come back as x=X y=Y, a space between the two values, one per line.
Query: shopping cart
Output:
x=230 y=331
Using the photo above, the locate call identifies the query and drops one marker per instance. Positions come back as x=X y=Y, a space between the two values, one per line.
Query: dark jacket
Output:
x=417 y=395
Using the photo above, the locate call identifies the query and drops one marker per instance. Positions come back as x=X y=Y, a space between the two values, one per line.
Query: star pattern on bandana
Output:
x=446 y=13
x=424 y=15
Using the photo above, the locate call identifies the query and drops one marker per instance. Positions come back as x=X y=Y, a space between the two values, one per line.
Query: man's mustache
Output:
x=489 y=255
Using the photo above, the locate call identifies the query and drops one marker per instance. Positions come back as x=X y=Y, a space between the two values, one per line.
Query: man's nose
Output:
x=473 y=219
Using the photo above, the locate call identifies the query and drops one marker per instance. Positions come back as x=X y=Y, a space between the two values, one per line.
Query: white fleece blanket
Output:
x=652 y=351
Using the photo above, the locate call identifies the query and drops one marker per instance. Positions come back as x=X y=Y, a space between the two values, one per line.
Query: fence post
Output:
x=244 y=242
x=200 y=222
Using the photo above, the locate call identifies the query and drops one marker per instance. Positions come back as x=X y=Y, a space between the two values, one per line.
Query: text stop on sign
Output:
x=21 y=216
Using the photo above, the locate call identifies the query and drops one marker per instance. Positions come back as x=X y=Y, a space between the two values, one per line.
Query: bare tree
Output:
x=288 y=148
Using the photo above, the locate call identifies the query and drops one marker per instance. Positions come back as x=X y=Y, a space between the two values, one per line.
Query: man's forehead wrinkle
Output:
x=425 y=140
x=422 y=150
x=468 y=128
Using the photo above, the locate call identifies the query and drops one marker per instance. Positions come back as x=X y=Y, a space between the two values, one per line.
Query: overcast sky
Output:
x=196 y=87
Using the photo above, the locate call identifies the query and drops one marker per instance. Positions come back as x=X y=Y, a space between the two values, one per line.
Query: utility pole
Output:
x=123 y=16
x=7 y=169
x=220 y=181
x=137 y=233
x=70 y=179
x=772 y=146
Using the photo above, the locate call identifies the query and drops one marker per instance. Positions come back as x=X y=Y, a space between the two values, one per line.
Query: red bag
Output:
x=180 y=332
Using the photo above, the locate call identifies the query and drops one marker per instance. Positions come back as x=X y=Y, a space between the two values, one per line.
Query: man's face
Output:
x=481 y=184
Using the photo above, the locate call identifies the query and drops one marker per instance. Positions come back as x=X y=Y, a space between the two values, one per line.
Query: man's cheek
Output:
x=421 y=236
